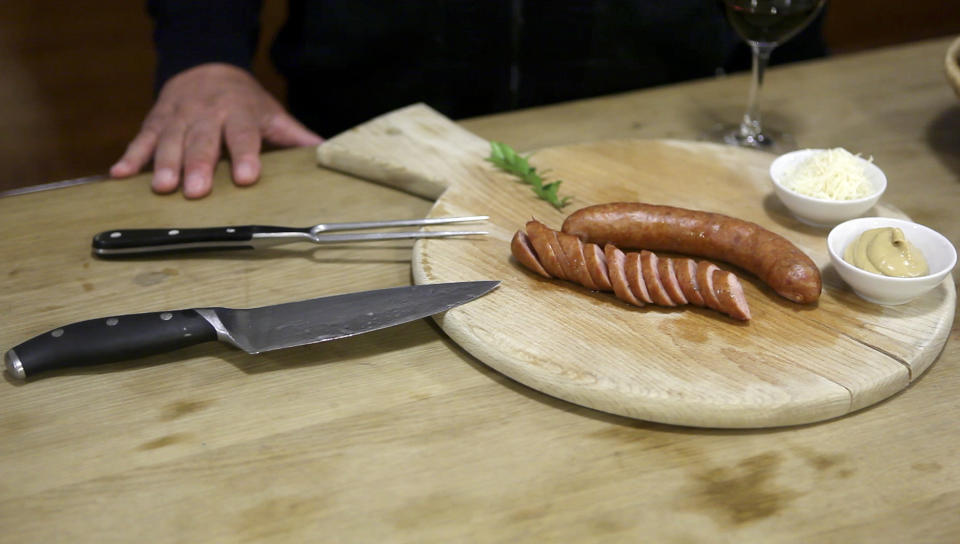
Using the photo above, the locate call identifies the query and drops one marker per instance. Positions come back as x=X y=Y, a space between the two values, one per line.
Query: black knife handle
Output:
x=139 y=241
x=107 y=340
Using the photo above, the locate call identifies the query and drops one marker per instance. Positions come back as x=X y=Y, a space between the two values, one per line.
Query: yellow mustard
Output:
x=886 y=251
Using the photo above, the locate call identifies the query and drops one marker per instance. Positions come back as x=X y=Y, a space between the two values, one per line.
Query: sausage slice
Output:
x=524 y=253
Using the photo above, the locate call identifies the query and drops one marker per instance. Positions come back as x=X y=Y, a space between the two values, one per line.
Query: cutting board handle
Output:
x=415 y=148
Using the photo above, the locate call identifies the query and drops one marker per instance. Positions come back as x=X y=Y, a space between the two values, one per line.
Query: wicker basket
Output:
x=952 y=65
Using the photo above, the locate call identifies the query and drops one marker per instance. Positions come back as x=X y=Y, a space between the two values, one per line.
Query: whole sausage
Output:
x=769 y=256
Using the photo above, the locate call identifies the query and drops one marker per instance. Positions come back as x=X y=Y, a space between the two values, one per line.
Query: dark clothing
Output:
x=349 y=60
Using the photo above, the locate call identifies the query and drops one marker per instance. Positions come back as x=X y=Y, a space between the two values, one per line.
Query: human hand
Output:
x=198 y=110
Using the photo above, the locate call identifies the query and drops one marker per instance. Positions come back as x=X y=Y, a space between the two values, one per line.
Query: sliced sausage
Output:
x=616 y=263
x=524 y=253
x=705 y=271
x=574 y=262
x=730 y=295
x=668 y=277
x=540 y=237
x=637 y=278
x=597 y=266
x=686 y=270
x=651 y=274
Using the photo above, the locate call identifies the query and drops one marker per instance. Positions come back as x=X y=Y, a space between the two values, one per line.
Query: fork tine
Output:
x=375 y=236
x=331 y=227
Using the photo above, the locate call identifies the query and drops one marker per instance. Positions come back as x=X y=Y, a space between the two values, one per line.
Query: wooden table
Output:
x=401 y=436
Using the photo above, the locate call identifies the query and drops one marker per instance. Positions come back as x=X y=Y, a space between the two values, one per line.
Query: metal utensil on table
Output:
x=254 y=330
x=143 y=241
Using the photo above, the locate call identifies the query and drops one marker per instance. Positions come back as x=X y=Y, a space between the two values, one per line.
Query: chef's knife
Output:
x=253 y=330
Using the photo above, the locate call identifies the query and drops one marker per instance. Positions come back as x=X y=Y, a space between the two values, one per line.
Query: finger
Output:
x=168 y=160
x=242 y=137
x=201 y=151
x=283 y=130
x=137 y=154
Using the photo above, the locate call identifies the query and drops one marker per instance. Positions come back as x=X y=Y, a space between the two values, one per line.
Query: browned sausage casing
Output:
x=638 y=278
x=636 y=225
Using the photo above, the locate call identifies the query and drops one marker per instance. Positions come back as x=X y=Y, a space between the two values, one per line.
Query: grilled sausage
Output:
x=597 y=265
x=769 y=256
x=668 y=276
x=638 y=278
x=617 y=265
x=686 y=270
x=705 y=272
x=730 y=295
x=651 y=275
x=523 y=251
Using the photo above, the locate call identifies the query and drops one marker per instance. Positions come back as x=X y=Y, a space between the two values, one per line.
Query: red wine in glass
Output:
x=764 y=24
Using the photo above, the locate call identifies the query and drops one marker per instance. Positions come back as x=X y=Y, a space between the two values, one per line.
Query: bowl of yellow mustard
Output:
x=890 y=261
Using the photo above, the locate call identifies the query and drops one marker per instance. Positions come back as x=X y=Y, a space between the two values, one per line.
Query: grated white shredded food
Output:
x=833 y=174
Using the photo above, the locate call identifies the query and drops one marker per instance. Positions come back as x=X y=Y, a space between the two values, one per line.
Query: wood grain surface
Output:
x=790 y=364
x=403 y=436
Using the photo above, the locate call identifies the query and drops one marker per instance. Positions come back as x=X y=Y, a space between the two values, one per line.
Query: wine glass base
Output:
x=770 y=141
x=748 y=140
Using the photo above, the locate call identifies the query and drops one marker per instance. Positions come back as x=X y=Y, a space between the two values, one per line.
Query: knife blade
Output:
x=254 y=330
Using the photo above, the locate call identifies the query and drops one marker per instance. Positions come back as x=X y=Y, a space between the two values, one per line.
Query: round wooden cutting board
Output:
x=791 y=364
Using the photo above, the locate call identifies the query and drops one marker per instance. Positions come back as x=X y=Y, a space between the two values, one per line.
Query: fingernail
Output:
x=193 y=183
x=164 y=180
x=245 y=171
x=164 y=176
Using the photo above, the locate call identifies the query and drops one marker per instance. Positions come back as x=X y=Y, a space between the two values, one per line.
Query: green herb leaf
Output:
x=505 y=158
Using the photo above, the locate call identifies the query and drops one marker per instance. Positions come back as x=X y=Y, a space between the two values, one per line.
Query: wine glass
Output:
x=764 y=24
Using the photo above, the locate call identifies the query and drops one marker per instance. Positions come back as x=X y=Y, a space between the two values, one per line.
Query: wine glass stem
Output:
x=751 y=128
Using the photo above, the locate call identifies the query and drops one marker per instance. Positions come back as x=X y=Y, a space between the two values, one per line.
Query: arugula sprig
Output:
x=505 y=158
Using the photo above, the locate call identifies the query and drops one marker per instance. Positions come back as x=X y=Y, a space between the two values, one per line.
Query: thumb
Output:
x=285 y=131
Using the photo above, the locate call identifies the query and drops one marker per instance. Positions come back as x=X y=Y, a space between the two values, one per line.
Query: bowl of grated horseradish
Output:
x=824 y=187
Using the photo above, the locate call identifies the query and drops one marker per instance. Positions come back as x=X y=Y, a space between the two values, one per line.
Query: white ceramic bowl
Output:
x=821 y=212
x=940 y=254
